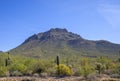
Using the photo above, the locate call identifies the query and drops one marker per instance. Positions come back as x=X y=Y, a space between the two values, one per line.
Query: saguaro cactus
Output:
x=57 y=61
x=119 y=56
x=7 y=60
x=119 y=53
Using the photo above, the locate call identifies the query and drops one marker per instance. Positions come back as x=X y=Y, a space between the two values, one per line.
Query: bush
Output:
x=36 y=67
x=85 y=70
x=17 y=67
x=3 y=71
x=64 y=70
x=117 y=70
x=100 y=67
x=16 y=73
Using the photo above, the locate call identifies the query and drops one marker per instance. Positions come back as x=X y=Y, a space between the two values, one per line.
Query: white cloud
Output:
x=111 y=13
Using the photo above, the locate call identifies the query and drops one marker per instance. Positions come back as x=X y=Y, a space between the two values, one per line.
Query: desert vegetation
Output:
x=16 y=65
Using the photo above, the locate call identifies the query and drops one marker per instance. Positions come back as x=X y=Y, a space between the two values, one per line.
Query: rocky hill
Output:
x=1 y=51
x=60 y=41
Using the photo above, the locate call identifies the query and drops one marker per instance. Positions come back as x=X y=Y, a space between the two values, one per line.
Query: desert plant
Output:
x=64 y=70
x=17 y=67
x=100 y=67
x=37 y=67
x=85 y=70
x=117 y=70
x=3 y=71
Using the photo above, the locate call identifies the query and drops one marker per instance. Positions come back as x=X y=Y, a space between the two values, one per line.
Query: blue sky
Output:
x=92 y=19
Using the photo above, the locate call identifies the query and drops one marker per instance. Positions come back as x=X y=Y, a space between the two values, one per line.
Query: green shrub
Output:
x=3 y=71
x=117 y=70
x=17 y=67
x=84 y=70
x=37 y=67
x=64 y=70
x=100 y=67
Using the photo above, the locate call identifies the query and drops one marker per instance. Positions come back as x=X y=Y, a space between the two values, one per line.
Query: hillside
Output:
x=0 y=51
x=60 y=41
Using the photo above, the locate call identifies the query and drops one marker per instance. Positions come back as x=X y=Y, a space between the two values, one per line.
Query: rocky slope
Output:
x=60 y=41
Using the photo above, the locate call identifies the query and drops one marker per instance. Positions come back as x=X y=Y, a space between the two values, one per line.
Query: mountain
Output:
x=60 y=41
x=1 y=51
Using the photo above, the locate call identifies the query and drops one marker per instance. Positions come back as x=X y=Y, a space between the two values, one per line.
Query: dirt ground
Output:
x=40 y=79
x=53 y=79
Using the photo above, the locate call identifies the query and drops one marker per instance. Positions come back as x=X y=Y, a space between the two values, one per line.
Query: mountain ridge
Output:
x=1 y=51
x=62 y=41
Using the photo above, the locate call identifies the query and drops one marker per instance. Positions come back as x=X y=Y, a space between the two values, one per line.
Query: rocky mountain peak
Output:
x=54 y=34
x=58 y=30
